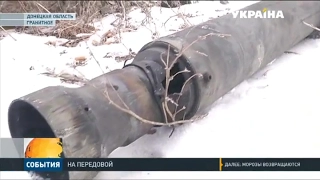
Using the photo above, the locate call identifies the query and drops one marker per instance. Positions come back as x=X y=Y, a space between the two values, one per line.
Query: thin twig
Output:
x=8 y=33
x=164 y=24
x=167 y=68
x=312 y=26
x=193 y=42
x=180 y=72
x=95 y=59
x=182 y=89
x=140 y=118
x=43 y=7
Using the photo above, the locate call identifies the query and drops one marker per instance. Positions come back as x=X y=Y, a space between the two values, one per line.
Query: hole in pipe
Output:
x=175 y=86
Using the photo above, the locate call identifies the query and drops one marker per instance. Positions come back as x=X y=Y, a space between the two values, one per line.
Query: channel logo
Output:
x=44 y=148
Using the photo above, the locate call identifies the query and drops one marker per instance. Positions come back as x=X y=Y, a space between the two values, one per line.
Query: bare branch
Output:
x=8 y=33
x=312 y=26
x=140 y=118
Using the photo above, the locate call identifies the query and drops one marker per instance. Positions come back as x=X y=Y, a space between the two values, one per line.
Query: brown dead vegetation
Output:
x=87 y=13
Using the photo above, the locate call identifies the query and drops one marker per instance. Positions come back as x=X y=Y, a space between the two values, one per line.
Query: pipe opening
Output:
x=26 y=122
x=175 y=86
x=182 y=96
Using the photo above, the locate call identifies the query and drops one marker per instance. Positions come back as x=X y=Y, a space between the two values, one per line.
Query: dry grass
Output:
x=87 y=12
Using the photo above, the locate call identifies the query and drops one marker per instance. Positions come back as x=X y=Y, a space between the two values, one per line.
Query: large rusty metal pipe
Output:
x=226 y=61
x=214 y=57
x=90 y=126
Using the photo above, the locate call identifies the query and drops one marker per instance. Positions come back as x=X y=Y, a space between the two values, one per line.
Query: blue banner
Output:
x=43 y=164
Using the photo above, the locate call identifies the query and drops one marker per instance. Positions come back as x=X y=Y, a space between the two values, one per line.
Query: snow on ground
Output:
x=273 y=114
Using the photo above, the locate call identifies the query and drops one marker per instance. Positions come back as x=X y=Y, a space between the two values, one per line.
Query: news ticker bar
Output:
x=160 y=164
x=34 y=19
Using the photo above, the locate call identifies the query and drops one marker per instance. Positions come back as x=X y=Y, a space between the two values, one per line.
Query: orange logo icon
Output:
x=44 y=148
